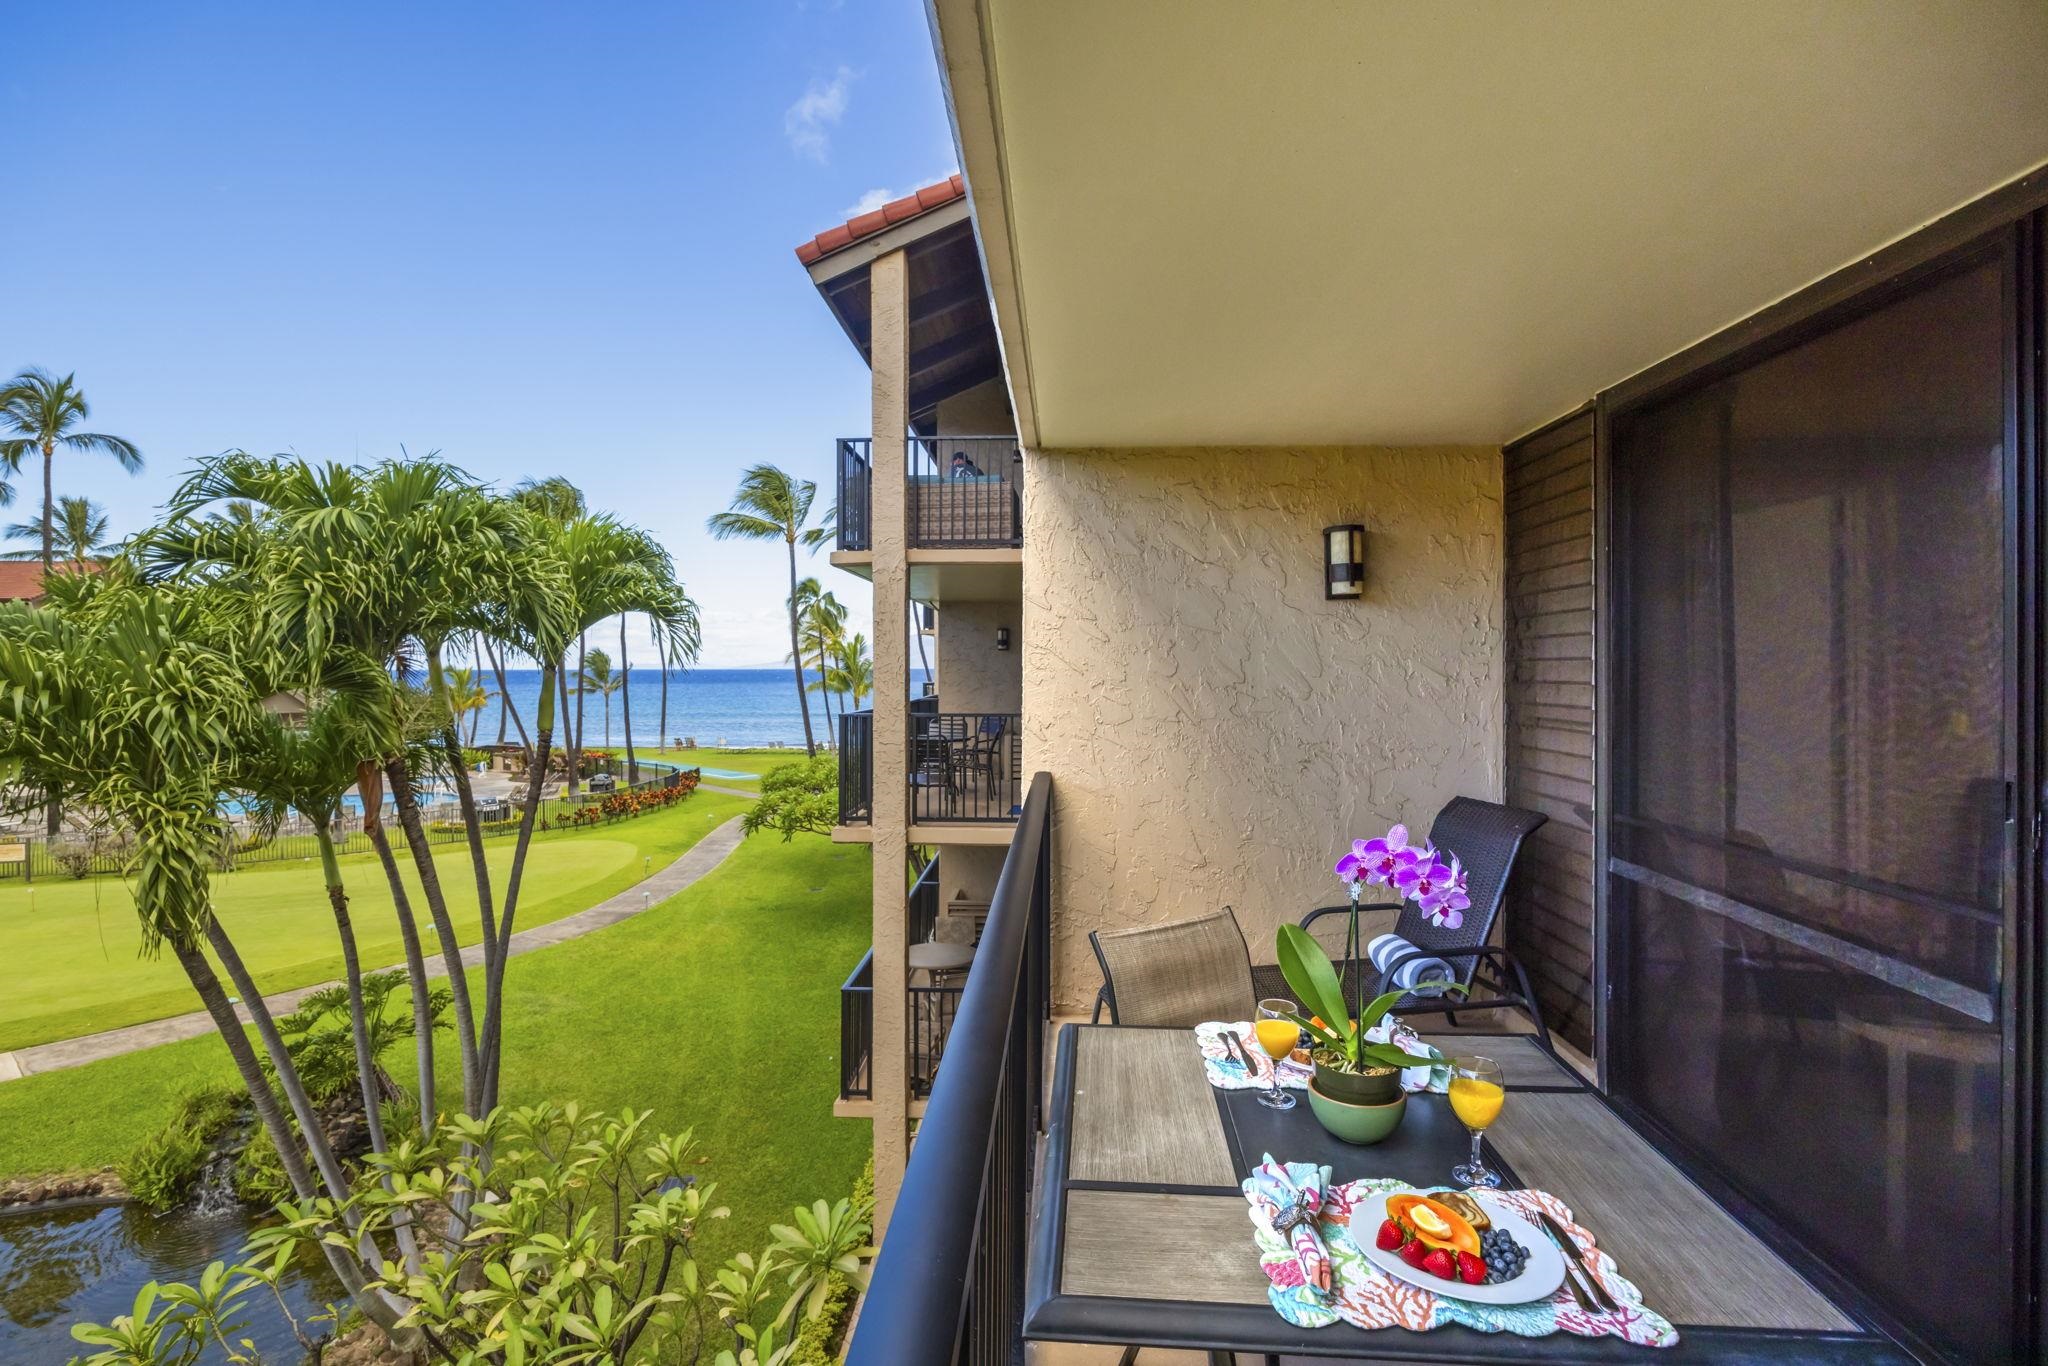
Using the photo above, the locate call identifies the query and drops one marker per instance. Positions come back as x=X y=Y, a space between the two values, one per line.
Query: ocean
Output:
x=716 y=707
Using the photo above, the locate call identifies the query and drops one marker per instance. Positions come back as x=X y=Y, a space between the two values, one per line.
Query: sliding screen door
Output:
x=1809 y=885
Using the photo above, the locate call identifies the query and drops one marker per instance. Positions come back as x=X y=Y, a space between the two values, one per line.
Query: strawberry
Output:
x=1412 y=1252
x=1439 y=1263
x=1471 y=1270
x=1392 y=1235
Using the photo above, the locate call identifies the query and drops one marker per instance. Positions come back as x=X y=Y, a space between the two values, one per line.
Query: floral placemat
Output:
x=1363 y=1295
x=1226 y=1073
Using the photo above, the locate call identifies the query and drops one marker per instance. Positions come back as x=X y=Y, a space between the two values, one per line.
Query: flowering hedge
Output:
x=631 y=802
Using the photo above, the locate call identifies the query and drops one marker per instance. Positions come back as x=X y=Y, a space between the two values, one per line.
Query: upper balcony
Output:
x=961 y=493
x=964 y=769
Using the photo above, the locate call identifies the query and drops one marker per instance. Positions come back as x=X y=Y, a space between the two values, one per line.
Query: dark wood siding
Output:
x=1548 y=489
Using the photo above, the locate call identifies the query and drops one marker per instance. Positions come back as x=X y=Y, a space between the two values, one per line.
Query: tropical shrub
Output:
x=162 y=1168
x=579 y=1248
x=799 y=798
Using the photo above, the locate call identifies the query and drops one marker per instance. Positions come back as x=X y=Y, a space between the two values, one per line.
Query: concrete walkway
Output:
x=649 y=892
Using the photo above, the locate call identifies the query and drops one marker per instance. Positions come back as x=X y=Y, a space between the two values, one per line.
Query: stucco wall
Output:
x=973 y=674
x=1215 y=729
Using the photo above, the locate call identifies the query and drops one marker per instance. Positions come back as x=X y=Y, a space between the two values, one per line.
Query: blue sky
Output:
x=538 y=238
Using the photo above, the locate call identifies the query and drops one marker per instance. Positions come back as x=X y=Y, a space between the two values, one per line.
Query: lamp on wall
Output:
x=1344 y=561
x=1002 y=637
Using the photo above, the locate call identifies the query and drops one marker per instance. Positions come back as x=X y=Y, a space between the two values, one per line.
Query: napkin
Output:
x=1286 y=1201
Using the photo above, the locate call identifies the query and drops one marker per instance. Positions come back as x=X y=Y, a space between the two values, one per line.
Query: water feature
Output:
x=85 y=1261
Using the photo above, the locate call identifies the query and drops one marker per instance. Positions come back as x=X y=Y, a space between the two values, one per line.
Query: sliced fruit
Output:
x=1458 y=1235
x=1392 y=1235
x=1470 y=1269
x=1439 y=1263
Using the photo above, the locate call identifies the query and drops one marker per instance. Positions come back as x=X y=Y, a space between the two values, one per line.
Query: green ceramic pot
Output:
x=1357 y=1123
x=1376 y=1086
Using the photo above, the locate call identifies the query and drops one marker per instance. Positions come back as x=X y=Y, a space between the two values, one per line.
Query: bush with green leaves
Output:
x=799 y=798
x=162 y=1168
x=576 y=1247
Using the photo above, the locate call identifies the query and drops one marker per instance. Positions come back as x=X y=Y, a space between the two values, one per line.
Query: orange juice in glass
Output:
x=1277 y=1035
x=1477 y=1092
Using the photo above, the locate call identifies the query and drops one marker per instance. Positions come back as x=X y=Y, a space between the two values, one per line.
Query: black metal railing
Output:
x=854 y=514
x=947 y=1288
x=929 y=1015
x=964 y=766
x=965 y=492
x=856 y=767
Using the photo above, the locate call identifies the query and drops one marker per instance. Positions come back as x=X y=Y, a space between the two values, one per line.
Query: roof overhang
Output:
x=1206 y=225
x=952 y=340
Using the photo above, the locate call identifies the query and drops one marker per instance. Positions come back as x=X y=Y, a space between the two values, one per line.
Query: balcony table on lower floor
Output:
x=1141 y=1235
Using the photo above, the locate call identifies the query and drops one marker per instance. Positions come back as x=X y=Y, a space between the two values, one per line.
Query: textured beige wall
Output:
x=973 y=674
x=1215 y=729
x=983 y=410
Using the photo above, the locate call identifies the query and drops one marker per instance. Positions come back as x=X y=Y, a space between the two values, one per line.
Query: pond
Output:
x=84 y=1262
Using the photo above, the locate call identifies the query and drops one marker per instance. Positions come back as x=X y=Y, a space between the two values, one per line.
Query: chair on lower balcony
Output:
x=1486 y=837
x=1182 y=973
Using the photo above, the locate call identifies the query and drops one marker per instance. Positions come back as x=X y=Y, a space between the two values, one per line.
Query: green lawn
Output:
x=718 y=1010
x=71 y=946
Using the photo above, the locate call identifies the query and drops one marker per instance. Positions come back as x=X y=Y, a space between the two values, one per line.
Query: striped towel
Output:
x=1423 y=976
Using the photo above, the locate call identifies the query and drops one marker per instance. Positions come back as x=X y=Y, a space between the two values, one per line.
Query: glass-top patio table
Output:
x=1141 y=1235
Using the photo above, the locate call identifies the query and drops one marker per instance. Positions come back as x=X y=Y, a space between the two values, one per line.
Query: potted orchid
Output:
x=1351 y=1066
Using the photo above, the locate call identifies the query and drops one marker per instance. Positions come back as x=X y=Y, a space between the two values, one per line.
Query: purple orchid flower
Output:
x=1383 y=858
x=1351 y=867
x=1440 y=889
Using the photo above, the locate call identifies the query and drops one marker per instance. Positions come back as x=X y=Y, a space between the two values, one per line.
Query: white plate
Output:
x=1541 y=1275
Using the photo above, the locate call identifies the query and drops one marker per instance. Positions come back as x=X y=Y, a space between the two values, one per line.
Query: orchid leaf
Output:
x=1311 y=977
x=1315 y=1031
x=1386 y=1055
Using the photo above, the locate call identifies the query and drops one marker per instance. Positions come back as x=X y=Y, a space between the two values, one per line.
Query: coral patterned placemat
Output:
x=1367 y=1297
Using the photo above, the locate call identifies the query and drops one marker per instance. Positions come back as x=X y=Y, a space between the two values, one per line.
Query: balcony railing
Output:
x=960 y=492
x=856 y=767
x=929 y=1009
x=964 y=766
x=947 y=1287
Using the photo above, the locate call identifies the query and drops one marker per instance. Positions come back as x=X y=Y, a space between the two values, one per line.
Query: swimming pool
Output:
x=727 y=773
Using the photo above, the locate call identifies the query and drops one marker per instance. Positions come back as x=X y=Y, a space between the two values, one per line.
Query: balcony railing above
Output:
x=929 y=1013
x=963 y=767
x=960 y=492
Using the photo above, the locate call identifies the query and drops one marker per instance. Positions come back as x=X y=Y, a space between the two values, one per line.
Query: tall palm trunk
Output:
x=359 y=1027
x=661 y=740
x=505 y=704
x=796 y=652
x=626 y=704
x=376 y=1306
x=465 y=796
x=494 y=983
x=576 y=732
x=49 y=512
x=825 y=694
x=407 y=803
x=370 y=784
x=917 y=632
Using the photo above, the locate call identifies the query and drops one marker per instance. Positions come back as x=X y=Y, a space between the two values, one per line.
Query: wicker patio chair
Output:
x=1181 y=973
x=1486 y=837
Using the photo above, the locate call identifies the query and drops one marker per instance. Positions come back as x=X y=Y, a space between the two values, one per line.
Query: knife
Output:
x=1251 y=1068
x=1229 y=1050
x=1571 y=1251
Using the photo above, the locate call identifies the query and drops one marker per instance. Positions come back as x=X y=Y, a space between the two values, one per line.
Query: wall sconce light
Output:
x=1002 y=637
x=1344 y=562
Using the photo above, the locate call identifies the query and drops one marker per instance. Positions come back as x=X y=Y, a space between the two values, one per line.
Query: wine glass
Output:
x=1477 y=1092
x=1277 y=1037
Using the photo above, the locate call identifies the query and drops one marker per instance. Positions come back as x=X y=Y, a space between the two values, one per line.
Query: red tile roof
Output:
x=22 y=580
x=888 y=216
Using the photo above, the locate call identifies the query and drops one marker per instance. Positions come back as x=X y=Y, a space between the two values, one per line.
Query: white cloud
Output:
x=808 y=123
x=869 y=202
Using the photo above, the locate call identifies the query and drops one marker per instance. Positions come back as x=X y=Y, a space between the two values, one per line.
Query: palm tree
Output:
x=81 y=534
x=821 y=625
x=853 y=671
x=41 y=412
x=467 y=697
x=597 y=677
x=772 y=506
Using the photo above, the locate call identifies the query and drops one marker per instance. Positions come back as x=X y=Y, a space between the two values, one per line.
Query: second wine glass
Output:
x=1277 y=1035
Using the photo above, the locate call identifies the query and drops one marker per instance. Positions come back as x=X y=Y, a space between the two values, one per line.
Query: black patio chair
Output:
x=1486 y=837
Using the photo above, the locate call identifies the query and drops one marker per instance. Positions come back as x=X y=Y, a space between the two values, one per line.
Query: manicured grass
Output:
x=71 y=947
x=717 y=1010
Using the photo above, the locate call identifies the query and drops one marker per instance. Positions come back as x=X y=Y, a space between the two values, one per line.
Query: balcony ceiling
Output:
x=1214 y=223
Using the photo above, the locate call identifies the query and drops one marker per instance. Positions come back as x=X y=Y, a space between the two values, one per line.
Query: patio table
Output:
x=1141 y=1235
